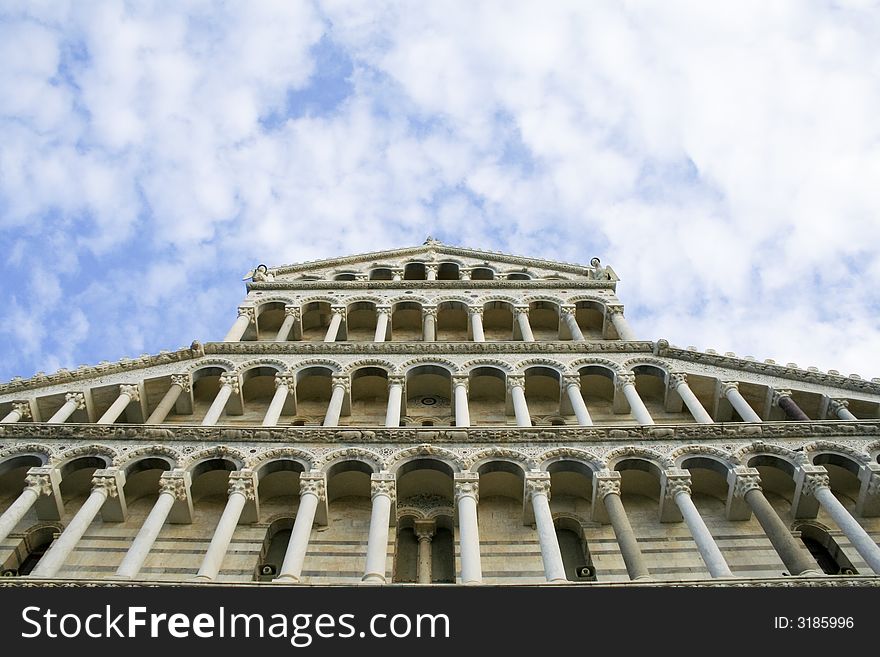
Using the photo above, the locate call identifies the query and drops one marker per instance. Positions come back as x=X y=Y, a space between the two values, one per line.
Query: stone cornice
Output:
x=421 y=348
x=663 y=348
x=85 y=372
x=419 y=435
x=501 y=284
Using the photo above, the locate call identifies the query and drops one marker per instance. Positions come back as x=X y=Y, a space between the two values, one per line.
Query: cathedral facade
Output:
x=433 y=415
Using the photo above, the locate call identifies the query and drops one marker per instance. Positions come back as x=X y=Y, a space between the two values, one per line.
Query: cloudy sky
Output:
x=724 y=159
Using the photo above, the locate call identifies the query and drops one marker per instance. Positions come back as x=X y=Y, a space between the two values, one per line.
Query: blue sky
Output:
x=723 y=159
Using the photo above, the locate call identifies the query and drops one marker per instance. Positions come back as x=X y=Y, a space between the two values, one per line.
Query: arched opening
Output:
x=257 y=391
x=141 y=489
x=448 y=271
x=313 y=390
x=843 y=475
x=825 y=550
x=13 y=471
x=209 y=492
x=205 y=386
x=270 y=317
x=273 y=550
x=571 y=483
x=361 y=321
x=576 y=557
x=278 y=492
x=428 y=395
x=369 y=397
x=498 y=321
x=406 y=320
x=640 y=494
x=544 y=320
x=415 y=271
x=27 y=554
x=345 y=276
x=542 y=392
x=452 y=322
x=487 y=396
x=590 y=317
x=597 y=390
x=315 y=320
x=651 y=386
x=482 y=274
x=76 y=477
x=519 y=276
x=381 y=274
x=439 y=533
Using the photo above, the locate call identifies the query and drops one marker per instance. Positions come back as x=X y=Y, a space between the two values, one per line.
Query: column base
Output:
x=473 y=582
x=373 y=578
x=201 y=578
x=557 y=581
x=643 y=578
x=286 y=579
x=811 y=573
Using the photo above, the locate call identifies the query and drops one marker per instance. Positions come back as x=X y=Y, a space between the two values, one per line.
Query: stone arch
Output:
x=392 y=301
x=335 y=366
x=872 y=450
x=261 y=459
x=592 y=298
x=585 y=457
x=426 y=450
x=319 y=298
x=632 y=452
x=218 y=452
x=259 y=302
x=127 y=458
x=523 y=365
x=758 y=448
x=372 y=459
x=680 y=454
x=499 y=298
x=817 y=447
x=590 y=361
x=486 y=362
x=418 y=361
x=379 y=363
x=107 y=453
x=275 y=363
x=222 y=363
x=483 y=456
x=661 y=365
x=451 y=298
x=363 y=298
x=547 y=298
x=45 y=452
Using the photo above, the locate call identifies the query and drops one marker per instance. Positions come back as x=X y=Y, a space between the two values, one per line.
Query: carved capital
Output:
x=429 y=312
x=230 y=379
x=77 y=397
x=247 y=311
x=105 y=480
x=23 y=409
x=677 y=379
x=182 y=380
x=815 y=477
x=521 y=310
x=475 y=310
x=461 y=380
x=39 y=482
x=173 y=483
x=293 y=311
x=568 y=310
x=613 y=309
x=571 y=380
x=677 y=481
x=621 y=380
x=383 y=483
x=288 y=380
x=242 y=482
x=425 y=529
x=131 y=391
x=729 y=386
x=396 y=380
x=386 y=310
x=607 y=483
x=747 y=479
x=873 y=485
x=342 y=381
x=431 y=268
x=516 y=381
x=779 y=394
x=467 y=484
x=313 y=485
x=538 y=484
x=464 y=274
x=338 y=310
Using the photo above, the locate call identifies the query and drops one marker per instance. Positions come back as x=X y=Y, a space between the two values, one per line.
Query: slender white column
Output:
x=431 y=272
x=476 y=317
x=730 y=389
x=74 y=401
x=291 y=317
x=341 y=385
x=395 y=398
x=517 y=385
x=312 y=491
x=817 y=483
x=104 y=485
x=229 y=384
x=522 y=318
x=35 y=486
x=382 y=315
x=678 y=382
x=626 y=383
x=335 y=323
x=538 y=490
x=241 y=489
x=283 y=386
x=568 y=316
x=429 y=324
x=19 y=410
x=127 y=394
x=624 y=332
x=608 y=490
x=462 y=413
x=245 y=317
x=172 y=487
x=467 y=486
x=179 y=383
x=839 y=408
x=678 y=489
x=383 y=495
x=573 y=390
x=424 y=531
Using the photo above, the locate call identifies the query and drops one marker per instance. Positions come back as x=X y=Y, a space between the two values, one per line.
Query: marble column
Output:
x=246 y=316
x=467 y=486
x=383 y=495
x=35 y=486
x=782 y=399
x=608 y=490
x=838 y=407
x=429 y=324
x=179 y=383
x=475 y=315
x=383 y=313
x=337 y=313
x=105 y=483
x=460 y=383
x=568 y=315
x=730 y=389
x=678 y=489
x=424 y=531
x=312 y=491
x=516 y=384
x=395 y=400
x=341 y=386
x=747 y=485
x=624 y=332
x=20 y=410
x=284 y=385
x=241 y=490
x=626 y=383
x=127 y=394
x=572 y=386
x=431 y=272
x=678 y=382
x=73 y=401
x=818 y=484
x=522 y=320
x=538 y=491
x=292 y=315
x=173 y=486
x=229 y=384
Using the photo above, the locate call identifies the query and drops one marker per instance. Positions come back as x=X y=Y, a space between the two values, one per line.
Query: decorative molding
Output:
x=242 y=482
x=182 y=380
x=745 y=480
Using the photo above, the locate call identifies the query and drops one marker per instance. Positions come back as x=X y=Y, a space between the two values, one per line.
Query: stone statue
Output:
x=259 y=275
x=599 y=272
